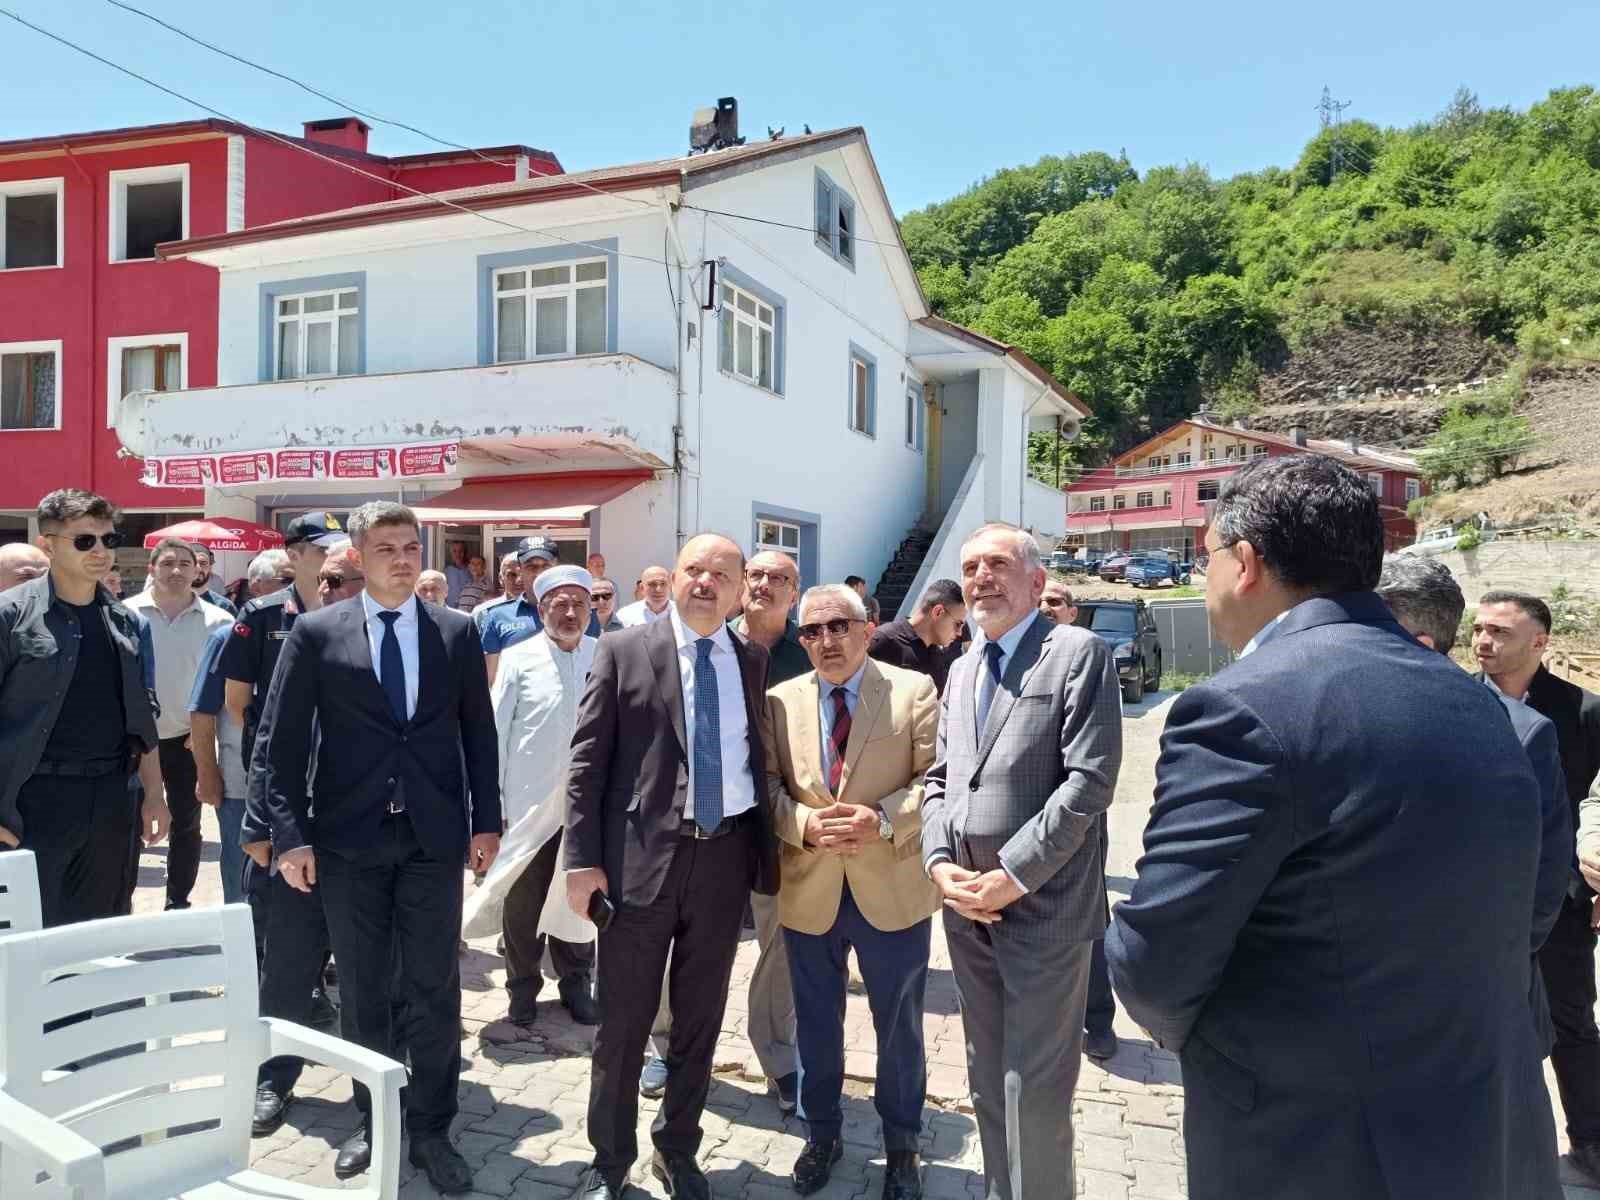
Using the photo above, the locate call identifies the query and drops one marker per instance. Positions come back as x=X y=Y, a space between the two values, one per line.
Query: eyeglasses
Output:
x=338 y=581
x=759 y=575
x=84 y=542
x=839 y=626
x=598 y=597
x=1054 y=601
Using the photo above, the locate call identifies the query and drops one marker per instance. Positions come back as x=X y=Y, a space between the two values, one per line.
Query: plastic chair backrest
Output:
x=165 y=1042
x=19 y=893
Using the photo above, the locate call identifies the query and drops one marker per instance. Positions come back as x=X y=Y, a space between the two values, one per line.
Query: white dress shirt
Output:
x=738 y=785
x=178 y=646
x=640 y=613
x=405 y=629
x=1008 y=645
x=1265 y=634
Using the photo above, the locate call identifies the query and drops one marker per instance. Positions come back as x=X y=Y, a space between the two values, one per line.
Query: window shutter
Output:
x=725 y=338
x=846 y=244
x=824 y=212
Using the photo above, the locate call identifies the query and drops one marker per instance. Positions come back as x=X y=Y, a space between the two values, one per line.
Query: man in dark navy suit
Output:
x=406 y=789
x=1330 y=924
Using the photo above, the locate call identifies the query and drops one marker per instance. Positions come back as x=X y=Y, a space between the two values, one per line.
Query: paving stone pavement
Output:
x=523 y=1103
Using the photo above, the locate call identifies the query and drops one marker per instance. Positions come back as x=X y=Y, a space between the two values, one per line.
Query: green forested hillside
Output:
x=1150 y=292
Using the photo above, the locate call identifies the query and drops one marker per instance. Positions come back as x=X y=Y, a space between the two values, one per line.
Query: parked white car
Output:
x=1445 y=538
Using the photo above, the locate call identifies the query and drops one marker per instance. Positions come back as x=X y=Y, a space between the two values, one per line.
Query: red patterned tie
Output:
x=839 y=738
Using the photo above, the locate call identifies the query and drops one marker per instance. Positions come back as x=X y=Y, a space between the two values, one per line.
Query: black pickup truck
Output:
x=1127 y=627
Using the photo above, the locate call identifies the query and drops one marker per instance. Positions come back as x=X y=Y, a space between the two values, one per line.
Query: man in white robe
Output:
x=536 y=692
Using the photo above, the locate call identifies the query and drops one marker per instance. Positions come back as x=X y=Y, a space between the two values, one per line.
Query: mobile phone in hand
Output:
x=601 y=910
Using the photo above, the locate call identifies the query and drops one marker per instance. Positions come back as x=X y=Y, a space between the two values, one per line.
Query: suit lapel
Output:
x=869 y=708
x=1028 y=654
x=663 y=651
x=354 y=619
x=808 y=734
x=754 y=694
x=432 y=662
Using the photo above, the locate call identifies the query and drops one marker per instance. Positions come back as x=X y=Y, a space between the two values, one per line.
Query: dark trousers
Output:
x=179 y=778
x=524 y=942
x=294 y=950
x=1567 y=963
x=393 y=899
x=78 y=827
x=698 y=914
x=894 y=966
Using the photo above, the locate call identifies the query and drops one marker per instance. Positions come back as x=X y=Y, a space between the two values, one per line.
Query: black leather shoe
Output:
x=270 y=1111
x=902 y=1177
x=577 y=995
x=681 y=1176
x=446 y=1170
x=597 y=1187
x=815 y=1165
x=355 y=1156
x=1586 y=1157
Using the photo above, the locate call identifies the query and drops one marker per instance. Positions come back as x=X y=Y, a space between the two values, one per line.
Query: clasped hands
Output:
x=841 y=828
x=298 y=867
x=977 y=896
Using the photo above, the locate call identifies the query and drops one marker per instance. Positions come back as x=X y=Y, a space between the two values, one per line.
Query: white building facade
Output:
x=732 y=341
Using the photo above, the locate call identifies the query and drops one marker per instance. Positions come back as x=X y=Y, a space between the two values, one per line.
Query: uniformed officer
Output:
x=292 y=931
x=510 y=588
x=510 y=623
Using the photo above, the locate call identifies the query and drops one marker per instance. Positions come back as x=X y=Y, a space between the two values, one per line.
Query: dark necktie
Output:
x=839 y=738
x=707 y=740
x=989 y=682
x=392 y=667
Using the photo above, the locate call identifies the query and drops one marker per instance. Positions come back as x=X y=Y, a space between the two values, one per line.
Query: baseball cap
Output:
x=536 y=547
x=318 y=528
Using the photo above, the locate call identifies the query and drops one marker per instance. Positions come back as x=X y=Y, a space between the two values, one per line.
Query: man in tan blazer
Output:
x=852 y=741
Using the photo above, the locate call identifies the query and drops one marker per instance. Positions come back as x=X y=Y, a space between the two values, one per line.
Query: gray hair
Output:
x=379 y=512
x=1424 y=597
x=1027 y=548
x=268 y=565
x=854 y=604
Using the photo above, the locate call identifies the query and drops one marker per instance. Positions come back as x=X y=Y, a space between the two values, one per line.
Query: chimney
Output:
x=1241 y=422
x=348 y=133
x=1297 y=434
x=1206 y=416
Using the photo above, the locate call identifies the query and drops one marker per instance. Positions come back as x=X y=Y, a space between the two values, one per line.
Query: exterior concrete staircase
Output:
x=902 y=570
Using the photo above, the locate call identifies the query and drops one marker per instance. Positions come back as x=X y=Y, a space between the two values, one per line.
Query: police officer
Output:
x=510 y=588
x=509 y=623
x=292 y=932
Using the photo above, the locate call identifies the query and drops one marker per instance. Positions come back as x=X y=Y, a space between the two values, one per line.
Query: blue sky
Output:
x=948 y=92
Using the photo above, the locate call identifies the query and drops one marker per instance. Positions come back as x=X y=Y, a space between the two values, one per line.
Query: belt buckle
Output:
x=393 y=808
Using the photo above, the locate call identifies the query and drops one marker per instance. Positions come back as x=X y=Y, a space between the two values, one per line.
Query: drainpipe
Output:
x=670 y=217
x=90 y=313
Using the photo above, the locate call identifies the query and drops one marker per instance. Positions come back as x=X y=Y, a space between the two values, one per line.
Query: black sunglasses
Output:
x=599 y=596
x=84 y=542
x=839 y=626
x=338 y=581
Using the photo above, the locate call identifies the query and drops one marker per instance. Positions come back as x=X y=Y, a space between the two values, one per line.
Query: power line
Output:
x=307 y=150
x=717 y=212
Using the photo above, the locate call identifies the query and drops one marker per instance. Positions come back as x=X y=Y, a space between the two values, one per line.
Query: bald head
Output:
x=707 y=581
x=20 y=562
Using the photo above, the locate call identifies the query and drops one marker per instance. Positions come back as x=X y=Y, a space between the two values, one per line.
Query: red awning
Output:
x=219 y=533
x=559 y=501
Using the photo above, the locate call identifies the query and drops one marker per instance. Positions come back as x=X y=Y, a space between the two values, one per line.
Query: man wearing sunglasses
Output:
x=604 y=599
x=76 y=716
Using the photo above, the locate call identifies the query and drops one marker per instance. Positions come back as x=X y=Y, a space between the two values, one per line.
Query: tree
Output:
x=1360 y=143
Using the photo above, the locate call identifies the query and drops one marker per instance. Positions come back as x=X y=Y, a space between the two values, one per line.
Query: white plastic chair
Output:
x=19 y=893
x=61 y=1123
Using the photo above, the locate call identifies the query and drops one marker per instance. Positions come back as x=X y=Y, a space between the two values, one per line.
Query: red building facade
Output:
x=1158 y=495
x=87 y=312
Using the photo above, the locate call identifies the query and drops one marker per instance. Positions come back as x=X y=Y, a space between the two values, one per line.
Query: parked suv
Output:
x=1127 y=627
x=1149 y=570
x=1112 y=567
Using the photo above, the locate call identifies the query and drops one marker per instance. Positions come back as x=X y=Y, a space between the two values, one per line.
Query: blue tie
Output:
x=989 y=682
x=707 y=740
x=391 y=667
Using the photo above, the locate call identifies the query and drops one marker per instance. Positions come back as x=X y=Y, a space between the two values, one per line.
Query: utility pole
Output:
x=1331 y=112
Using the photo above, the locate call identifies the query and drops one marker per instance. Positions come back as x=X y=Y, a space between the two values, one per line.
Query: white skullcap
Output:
x=556 y=577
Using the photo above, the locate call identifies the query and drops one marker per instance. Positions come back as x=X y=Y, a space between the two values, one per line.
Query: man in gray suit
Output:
x=1030 y=740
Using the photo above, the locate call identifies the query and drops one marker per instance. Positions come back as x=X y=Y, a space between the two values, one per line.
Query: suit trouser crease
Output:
x=395 y=900
x=1567 y=963
x=1022 y=1007
x=894 y=967
x=770 y=1016
x=180 y=778
x=78 y=828
x=525 y=944
x=294 y=949
x=696 y=916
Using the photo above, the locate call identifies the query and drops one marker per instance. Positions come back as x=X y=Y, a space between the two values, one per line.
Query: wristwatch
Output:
x=885 y=827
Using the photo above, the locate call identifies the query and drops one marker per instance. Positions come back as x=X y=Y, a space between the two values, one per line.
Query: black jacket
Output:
x=443 y=762
x=629 y=776
x=38 y=653
x=1576 y=716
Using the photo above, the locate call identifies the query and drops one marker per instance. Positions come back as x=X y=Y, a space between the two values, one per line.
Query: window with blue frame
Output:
x=863 y=392
x=835 y=220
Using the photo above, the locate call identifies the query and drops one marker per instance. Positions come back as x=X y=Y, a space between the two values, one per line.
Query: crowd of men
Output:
x=1365 y=912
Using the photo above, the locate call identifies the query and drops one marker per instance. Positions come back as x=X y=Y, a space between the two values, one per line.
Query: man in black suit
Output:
x=667 y=817
x=1510 y=633
x=1331 y=919
x=406 y=777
